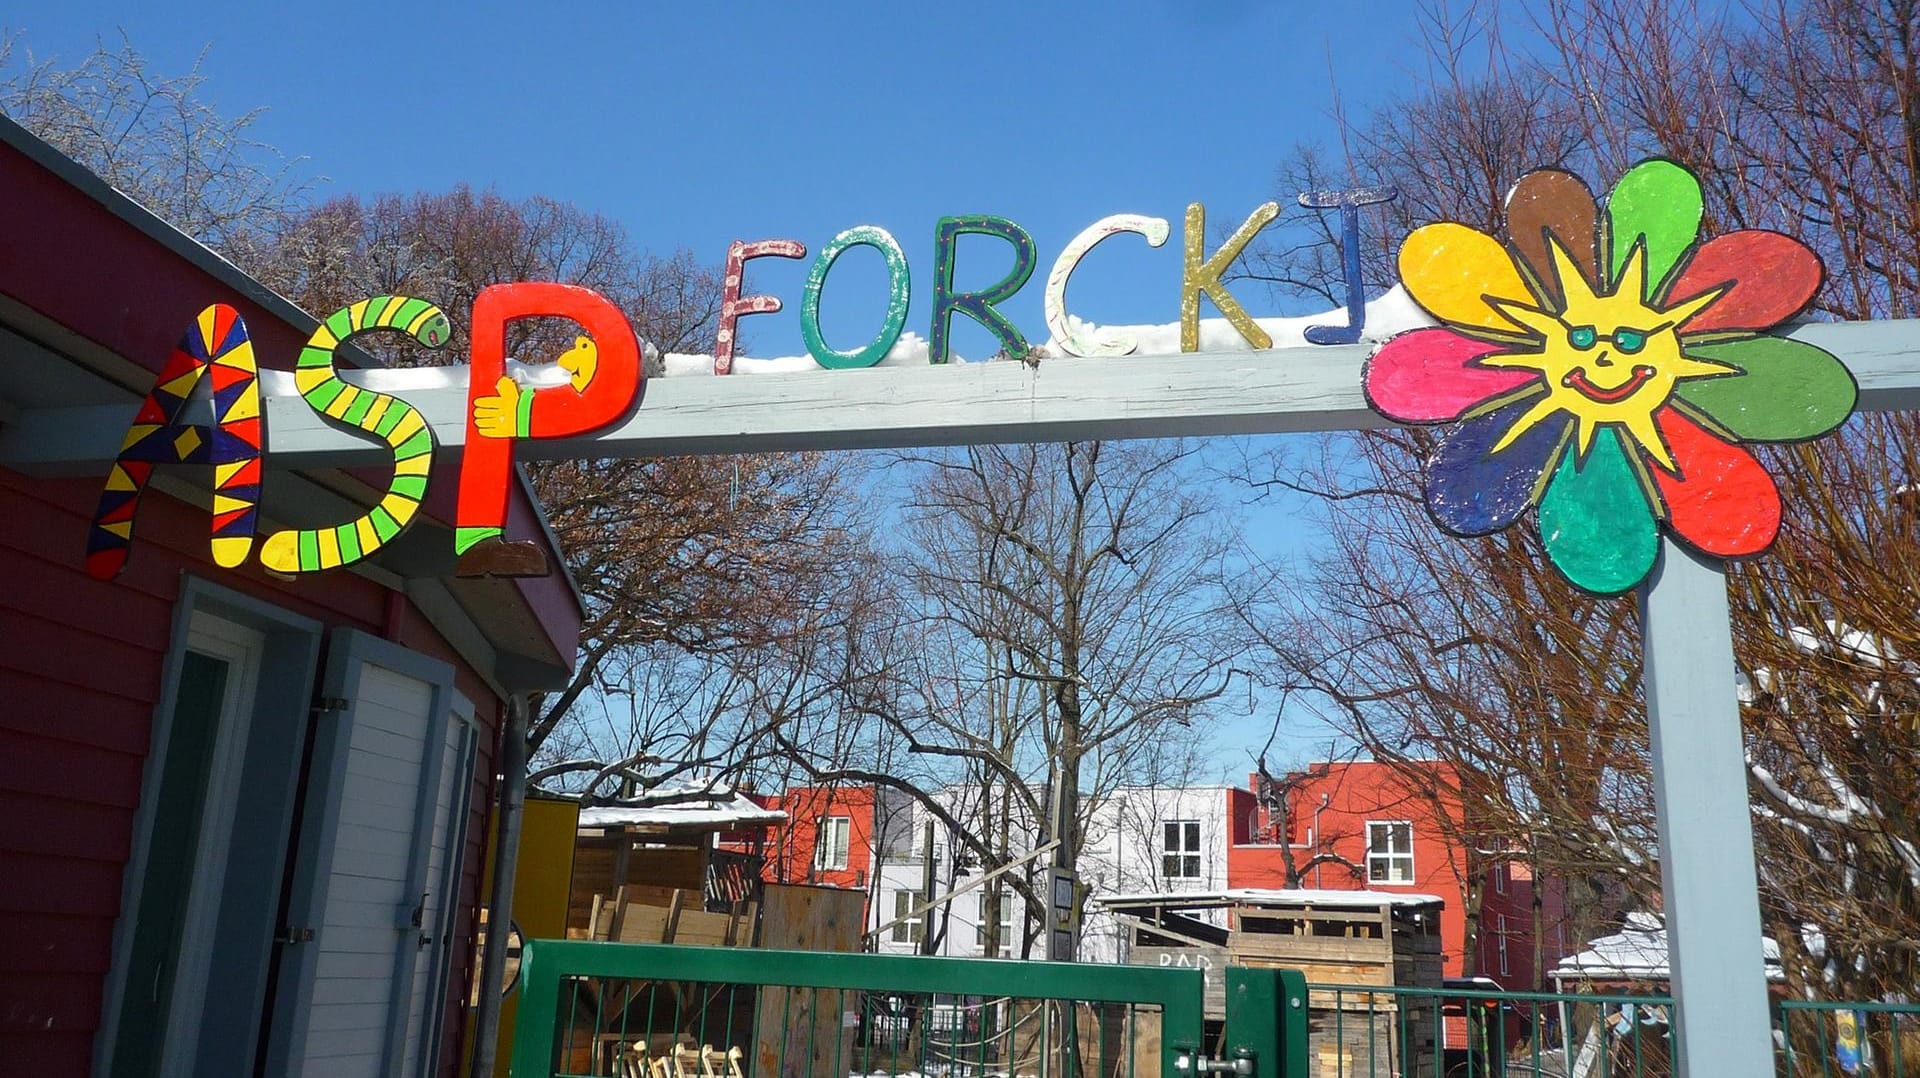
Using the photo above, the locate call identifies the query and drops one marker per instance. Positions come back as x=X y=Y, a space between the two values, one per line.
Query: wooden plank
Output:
x=617 y=913
x=800 y=1032
x=653 y=873
x=1274 y=391
x=1211 y=960
x=1175 y=931
x=796 y=917
x=1342 y=917
x=643 y=924
x=673 y=916
x=702 y=928
x=741 y=925
x=1308 y=948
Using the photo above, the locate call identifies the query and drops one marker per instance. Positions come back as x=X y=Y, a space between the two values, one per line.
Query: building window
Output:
x=830 y=847
x=913 y=928
x=1006 y=927
x=1500 y=877
x=1390 y=852
x=1180 y=859
x=1502 y=929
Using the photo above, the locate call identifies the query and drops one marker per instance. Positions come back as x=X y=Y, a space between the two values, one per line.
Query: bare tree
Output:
x=1275 y=795
x=1799 y=116
x=721 y=560
x=153 y=137
x=1065 y=632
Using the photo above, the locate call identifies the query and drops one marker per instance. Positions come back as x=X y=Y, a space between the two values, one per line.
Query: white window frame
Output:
x=1006 y=925
x=907 y=929
x=829 y=856
x=1391 y=857
x=1179 y=855
x=1502 y=930
x=241 y=648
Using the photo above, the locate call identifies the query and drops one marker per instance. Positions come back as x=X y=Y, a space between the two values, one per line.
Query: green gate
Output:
x=663 y=1011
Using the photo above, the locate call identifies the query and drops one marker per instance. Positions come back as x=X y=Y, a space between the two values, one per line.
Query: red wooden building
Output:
x=1364 y=825
x=241 y=815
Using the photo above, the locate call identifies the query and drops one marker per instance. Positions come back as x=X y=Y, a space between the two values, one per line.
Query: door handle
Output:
x=293 y=934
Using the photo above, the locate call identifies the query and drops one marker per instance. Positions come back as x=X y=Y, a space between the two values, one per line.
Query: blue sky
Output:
x=698 y=124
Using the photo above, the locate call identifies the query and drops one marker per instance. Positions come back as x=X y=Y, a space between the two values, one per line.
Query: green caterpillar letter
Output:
x=394 y=420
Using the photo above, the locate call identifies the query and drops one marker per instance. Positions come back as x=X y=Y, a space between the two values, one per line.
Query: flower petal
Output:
x=1551 y=201
x=1470 y=492
x=1788 y=390
x=1450 y=269
x=1723 y=502
x=1429 y=376
x=1595 y=520
x=1772 y=277
x=1656 y=202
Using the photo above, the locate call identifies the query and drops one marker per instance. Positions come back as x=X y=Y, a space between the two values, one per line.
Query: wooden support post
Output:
x=1707 y=875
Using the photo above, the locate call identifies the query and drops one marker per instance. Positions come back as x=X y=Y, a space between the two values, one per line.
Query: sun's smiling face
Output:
x=1605 y=357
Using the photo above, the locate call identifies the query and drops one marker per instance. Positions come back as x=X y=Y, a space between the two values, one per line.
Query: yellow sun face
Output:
x=1605 y=358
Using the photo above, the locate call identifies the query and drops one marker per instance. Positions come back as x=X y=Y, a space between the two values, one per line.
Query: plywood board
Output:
x=1210 y=961
x=803 y=1032
x=652 y=873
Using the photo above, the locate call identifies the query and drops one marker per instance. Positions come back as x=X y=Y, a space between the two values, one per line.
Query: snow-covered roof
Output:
x=1263 y=896
x=1639 y=953
x=725 y=810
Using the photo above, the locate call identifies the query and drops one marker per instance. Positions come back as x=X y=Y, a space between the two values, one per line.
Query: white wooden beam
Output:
x=1207 y=393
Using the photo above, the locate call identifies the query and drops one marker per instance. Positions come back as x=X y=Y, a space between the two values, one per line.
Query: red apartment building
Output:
x=1364 y=825
x=831 y=835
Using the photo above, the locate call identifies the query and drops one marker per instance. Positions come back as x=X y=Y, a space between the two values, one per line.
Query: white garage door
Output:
x=361 y=996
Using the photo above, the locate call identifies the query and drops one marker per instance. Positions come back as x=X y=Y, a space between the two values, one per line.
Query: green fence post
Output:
x=1267 y=1018
x=539 y=1006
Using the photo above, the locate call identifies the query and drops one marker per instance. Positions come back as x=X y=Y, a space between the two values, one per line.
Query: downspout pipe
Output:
x=513 y=802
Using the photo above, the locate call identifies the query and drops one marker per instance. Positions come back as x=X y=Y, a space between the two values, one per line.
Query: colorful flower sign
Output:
x=1601 y=369
x=1605 y=370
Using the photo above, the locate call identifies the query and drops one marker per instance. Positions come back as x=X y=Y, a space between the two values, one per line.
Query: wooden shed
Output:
x=663 y=855
x=1357 y=939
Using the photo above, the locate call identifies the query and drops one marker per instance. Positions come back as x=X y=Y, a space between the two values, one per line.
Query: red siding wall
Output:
x=80 y=671
x=1356 y=793
x=1364 y=790
x=1511 y=892
x=790 y=846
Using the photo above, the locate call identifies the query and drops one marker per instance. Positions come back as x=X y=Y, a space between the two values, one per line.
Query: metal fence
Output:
x=1368 y=1031
x=661 y=1011
x=1870 y=1040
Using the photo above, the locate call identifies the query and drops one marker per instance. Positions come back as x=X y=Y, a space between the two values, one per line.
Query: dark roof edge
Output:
x=216 y=265
x=121 y=205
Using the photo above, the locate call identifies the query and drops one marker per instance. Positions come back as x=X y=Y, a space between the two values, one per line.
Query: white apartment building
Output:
x=1139 y=840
